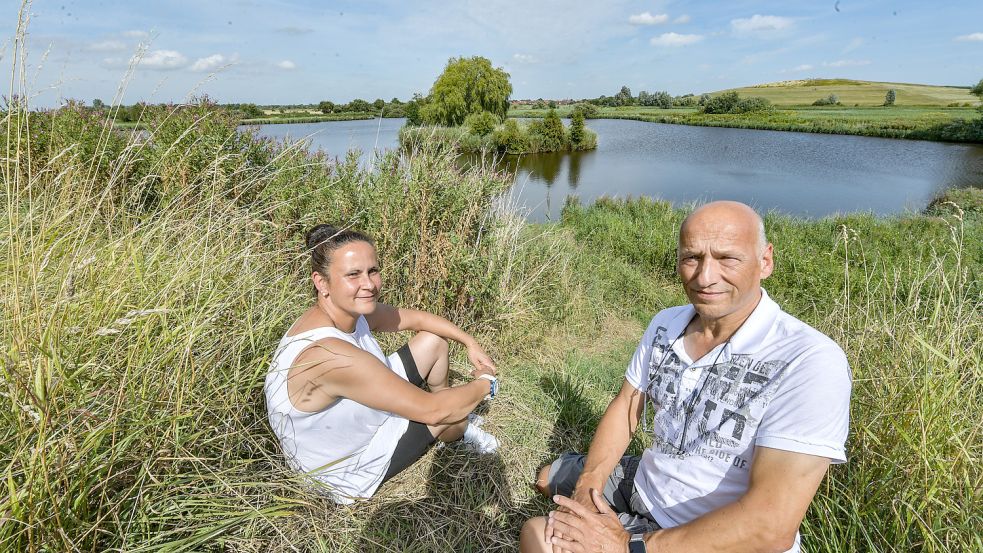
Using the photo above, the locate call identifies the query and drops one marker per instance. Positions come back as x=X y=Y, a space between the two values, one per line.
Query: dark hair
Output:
x=323 y=240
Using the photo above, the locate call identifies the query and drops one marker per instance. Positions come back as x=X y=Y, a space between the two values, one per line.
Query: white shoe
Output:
x=480 y=441
x=476 y=419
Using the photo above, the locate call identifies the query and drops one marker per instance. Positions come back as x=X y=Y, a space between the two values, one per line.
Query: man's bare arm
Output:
x=765 y=519
x=610 y=441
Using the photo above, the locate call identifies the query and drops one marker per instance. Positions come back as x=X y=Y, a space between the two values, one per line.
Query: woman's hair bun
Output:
x=319 y=234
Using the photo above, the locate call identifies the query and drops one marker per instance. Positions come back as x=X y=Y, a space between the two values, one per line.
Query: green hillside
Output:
x=850 y=92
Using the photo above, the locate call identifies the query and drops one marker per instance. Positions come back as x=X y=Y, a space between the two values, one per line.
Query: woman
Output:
x=346 y=413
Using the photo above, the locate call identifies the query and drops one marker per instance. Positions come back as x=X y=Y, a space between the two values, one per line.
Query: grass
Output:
x=146 y=278
x=911 y=122
x=864 y=93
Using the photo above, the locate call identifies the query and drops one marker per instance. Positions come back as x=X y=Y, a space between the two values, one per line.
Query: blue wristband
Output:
x=493 y=389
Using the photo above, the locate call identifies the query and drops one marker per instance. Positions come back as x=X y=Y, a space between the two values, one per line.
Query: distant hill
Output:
x=850 y=92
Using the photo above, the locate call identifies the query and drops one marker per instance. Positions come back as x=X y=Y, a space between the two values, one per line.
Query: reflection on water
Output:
x=796 y=173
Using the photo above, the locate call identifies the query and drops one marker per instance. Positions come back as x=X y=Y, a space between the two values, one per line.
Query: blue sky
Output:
x=294 y=51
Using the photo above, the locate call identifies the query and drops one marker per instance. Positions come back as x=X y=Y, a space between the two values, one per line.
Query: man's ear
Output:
x=767 y=261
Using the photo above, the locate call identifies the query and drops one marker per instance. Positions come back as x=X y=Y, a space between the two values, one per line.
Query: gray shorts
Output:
x=619 y=489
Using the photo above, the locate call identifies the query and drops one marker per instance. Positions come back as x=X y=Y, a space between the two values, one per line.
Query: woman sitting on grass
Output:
x=346 y=413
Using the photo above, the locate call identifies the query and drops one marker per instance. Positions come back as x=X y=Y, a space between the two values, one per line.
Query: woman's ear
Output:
x=320 y=284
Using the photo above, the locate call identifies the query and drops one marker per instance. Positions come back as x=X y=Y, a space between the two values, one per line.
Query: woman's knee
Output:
x=429 y=347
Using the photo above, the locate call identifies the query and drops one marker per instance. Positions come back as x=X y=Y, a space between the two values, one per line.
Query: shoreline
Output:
x=953 y=130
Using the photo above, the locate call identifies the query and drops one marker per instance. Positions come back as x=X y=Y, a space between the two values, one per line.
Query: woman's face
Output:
x=354 y=281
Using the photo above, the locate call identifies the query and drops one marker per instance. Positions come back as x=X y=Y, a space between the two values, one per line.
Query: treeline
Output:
x=137 y=112
x=660 y=99
x=379 y=108
x=727 y=102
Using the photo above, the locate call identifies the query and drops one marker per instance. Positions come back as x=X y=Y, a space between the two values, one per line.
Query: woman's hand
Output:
x=481 y=361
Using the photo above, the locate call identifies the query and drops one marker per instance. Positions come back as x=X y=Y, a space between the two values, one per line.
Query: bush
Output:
x=722 y=103
x=890 y=97
x=590 y=111
x=510 y=138
x=731 y=102
x=752 y=104
x=577 y=128
x=686 y=100
x=550 y=129
x=831 y=100
x=482 y=123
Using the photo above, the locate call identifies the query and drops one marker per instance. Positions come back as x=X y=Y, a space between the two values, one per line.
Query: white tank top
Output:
x=347 y=445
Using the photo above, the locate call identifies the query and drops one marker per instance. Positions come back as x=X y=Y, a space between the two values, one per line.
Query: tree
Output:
x=890 y=97
x=481 y=123
x=358 y=105
x=412 y=110
x=589 y=111
x=378 y=104
x=98 y=104
x=577 y=127
x=978 y=92
x=327 y=106
x=623 y=97
x=550 y=128
x=467 y=85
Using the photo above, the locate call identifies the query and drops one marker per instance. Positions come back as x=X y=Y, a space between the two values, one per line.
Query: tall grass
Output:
x=146 y=278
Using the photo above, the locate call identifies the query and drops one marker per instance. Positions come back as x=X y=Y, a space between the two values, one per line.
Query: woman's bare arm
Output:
x=387 y=318
x=332 y=369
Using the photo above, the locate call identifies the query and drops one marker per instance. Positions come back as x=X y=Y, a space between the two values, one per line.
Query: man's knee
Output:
x=531 y=538
x=543 y=480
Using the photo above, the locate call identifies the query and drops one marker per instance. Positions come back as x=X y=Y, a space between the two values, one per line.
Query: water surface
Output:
x=803 y=174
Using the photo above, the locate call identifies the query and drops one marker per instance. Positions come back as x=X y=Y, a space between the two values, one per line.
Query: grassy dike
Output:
x=148 y=276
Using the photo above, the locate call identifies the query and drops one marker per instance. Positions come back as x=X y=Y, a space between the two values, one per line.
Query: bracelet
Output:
x=493 y=389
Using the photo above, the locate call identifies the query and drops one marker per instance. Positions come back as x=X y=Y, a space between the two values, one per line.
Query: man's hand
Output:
x=583 y=530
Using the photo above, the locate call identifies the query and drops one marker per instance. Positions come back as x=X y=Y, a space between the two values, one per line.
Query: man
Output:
x=749 y=406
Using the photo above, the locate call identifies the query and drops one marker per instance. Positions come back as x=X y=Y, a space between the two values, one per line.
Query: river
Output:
x=803 y=174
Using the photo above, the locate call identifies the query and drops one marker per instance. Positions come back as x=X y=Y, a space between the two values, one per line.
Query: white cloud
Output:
x=286 y=64
x=675 y=39
x=757 y=24
x=107 y=46
x=852 y=45
x=295 y=30
x=523 y=58
x=646 y=18
x=973 y=37
x=209 y=63
x=161 y=59
x=136 y=34
x=682 y=19
x=803 y=67
x=846 y=63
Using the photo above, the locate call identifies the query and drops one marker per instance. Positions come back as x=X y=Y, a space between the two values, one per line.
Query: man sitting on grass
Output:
x=749 y=407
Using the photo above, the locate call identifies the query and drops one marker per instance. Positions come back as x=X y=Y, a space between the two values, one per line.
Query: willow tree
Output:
x=467 y=85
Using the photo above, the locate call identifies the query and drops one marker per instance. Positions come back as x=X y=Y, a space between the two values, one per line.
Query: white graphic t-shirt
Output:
x=777 y=383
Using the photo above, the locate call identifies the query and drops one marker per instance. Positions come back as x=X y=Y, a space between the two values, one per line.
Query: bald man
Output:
x=747 y=407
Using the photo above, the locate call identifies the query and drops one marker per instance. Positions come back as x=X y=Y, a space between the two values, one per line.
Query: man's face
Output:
x=720 y=264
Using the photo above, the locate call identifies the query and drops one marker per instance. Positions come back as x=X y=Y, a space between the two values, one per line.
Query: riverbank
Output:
x=147 y=283
x=946 y=124
x=311 y=118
